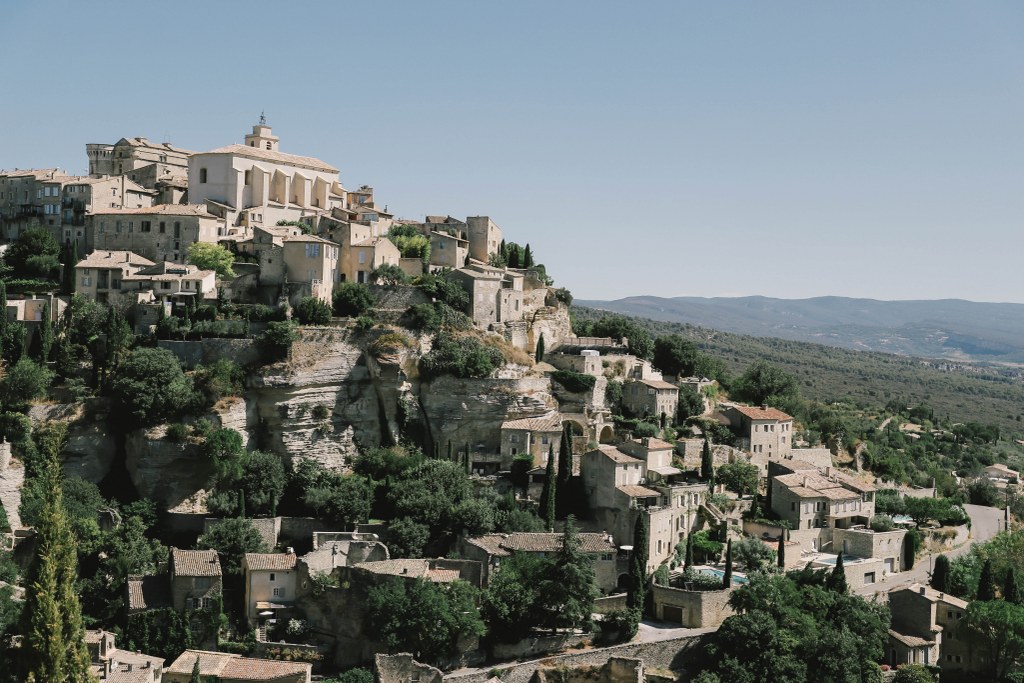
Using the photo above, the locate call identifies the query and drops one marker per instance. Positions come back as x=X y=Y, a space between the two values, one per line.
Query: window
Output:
x=163 y=227
x=103 y=226
x=177 y=229
x=272 y=577
x=268 y=145
x=279 y=592
x=86 y=281
x=145 y=226
x=131 y=226
x=117 y=226
x=202 y=175
x=362 y=257
x=607 y=557
x=313 y=250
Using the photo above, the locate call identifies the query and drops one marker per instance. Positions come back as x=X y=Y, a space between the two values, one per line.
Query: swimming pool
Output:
x=719 y=574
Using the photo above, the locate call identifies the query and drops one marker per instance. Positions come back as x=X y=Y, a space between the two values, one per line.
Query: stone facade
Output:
x=195 y=579
x=496 y=294
x=159 y=233
x=763 y=430
x=652 y=397
x=927 y=628
x=484 y=238
x=101 y=275
x=693 y=609
x=311 y=266
x=886 y=546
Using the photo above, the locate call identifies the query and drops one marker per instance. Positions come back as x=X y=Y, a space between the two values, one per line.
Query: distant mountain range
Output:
x=951 y=329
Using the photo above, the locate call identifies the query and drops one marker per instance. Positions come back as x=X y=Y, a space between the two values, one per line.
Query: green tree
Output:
x=688 y=553
x=691 y=403
x=224 y=448
x=197 y=675
x=233 y=538
x=739 y=477
x=312 y=311
x=53 y=648
x=837 y=577
x=352 y=299
x=568 y=592
x=4 y=324
x=996 y=629
x=987 y=582
x=45 y=335
x=727 y=574
x=263 y=481
x=913 y=673
x=388 y=275
x=1012 y=590
x=781 y=554
x=763 y=382
x=149 y=387
x=549 y=494
x=407 y=537
x=539 y=352
x=940 y=574
x=707 y=463
x=753 y=554
x=34 y=254
x=24 y=382
x=638 y=560
x=527 y=257
x=68 y=271
x=277 y=341
x=210 y=256
x=424 y=618
x=509 y=604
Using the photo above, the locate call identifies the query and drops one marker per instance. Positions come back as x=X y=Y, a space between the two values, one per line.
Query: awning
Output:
x=262 y=604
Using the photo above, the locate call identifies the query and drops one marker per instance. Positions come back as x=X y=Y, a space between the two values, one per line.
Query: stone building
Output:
x=139 y=159
x=311 y=267
x=196 y=579
x=533 y=436
x=223 y=667
x=447 y=250
x=270 y=580
x=490 y=549
x=484 y=238
x=651 y=397
x=267 y=246
x=113 y=665
x=170 y=282
x=927 y=628
x=257 y=184
x=100 y=276
x=692 y=609
x=160 y=233
x=496 y=294
x=763 y=431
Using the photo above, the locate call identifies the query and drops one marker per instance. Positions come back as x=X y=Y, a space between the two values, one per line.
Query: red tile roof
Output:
x=195 y=562
x=762 y=413
x=269 y=562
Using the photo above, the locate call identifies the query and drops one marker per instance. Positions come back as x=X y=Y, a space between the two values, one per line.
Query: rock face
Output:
x=471 y=410
x=91 y=447
x=167 y=472
x=238 y=414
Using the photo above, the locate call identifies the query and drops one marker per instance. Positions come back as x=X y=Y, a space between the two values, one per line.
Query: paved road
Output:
x=986 y=522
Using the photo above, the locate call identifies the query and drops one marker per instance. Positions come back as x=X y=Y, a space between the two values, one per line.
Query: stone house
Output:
x=489 y=549
x=496 y=294
x=257 y=184
x=447 y=250
x=484 y=238
x=817 y=502
x=656 y=454
x=363 y=257
x=223 y=667
x=159 y=233
x=171 y=282
x=100 y=275
x=435 y=570
x=269 y=583
x=113 y=665
x=927 y=629
x=81 y=197
x=343 y=549
x=534 y=436
x=1001 y=474
x=311 y=267
x=139 y=159
x=267 y=246
x=196 y=579
x=691 y=609
x=762 y=430
x=651 y=397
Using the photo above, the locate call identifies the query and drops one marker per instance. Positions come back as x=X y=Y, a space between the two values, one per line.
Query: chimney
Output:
x=289 y=551
x=130 y=667
x=764 y=406
x=924 y=590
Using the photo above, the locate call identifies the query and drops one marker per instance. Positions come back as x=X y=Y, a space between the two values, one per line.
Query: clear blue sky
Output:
x=673 y=148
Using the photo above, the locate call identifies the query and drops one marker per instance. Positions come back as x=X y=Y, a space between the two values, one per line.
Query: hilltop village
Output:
x=285 y=435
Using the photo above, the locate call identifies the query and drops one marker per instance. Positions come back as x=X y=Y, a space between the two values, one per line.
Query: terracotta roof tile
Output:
x=266 y=562
x=223 y=665
x=270 y=155
x=147 y=592
x=195 y=562
x=762 y=413
x=552 y=422
x=638 y=491
x=552 y=542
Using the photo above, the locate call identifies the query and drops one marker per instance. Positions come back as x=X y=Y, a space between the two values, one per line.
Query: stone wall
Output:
x=206 y=351
x=402 y=668
x=697 y=609
x=674 y=654
x=610 y=603
x=867 y=543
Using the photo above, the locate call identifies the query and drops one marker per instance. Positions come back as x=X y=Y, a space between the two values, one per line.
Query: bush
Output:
x=177 y=432
x=24 y=382
x=313 y=311
x=352 y=299
x=388 y=275
x=389 y=343
x=149 y=387
x=576 y=382
x=222 y=378
x=619 y=626
x=423 y=317
x=445 y=290
x=882 y=523
x=277 y=341
x=209 y=256
x=464 y=356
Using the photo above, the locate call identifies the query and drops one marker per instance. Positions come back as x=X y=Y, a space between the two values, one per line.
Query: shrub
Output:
x=389 y=275
x=423 y=317
x=445 y=290
x=222 y=378
x=209 y=256
x=365 y=322
x=389 y=343
x=352 y=299
x=882 y=523
x=576 y=382
x=149 y=387
x=177 y=432
x=464 y=356
x=313 y=311
x=277 y=340
x=619 y=626
x=25 y=381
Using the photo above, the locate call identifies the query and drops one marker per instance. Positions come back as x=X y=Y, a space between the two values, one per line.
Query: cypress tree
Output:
x=197 y=674
x=688 y=557
x=548 y=493
x=987 y=582
x=1012 y=590
x=940 y=575
x=241 y=503
x=638 y=562
x=513 y=255
x=539 y=353
x=466 y=461
x=727 y=576
x=837 y=579
x=527 y=257
x=68 y=276
x=45 y=335
x=451 y=454
x=707 y=464
x=782 y=550
x=3 y=318
x=53 y=648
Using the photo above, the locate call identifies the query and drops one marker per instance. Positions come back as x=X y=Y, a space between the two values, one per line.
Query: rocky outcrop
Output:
x=91 y=447
x=238 y=414
x=168 y=472
x=471 y=410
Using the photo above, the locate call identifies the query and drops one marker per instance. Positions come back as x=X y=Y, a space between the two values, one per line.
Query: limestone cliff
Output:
x=91 y=447
x=168 y=472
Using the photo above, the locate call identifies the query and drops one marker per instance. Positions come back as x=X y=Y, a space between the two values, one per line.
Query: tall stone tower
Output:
x=261 y=136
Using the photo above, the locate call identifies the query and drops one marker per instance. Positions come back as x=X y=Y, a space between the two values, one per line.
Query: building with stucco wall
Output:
x=269 y=583
x=159 y=233
x=311 y=267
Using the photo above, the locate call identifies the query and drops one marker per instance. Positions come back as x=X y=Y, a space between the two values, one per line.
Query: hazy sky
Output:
x=713 y=149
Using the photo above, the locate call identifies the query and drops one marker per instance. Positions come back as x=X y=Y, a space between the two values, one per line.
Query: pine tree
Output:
x=638 y=562
x=548 y=493
x=539 y=353
x=45 y=335
x=987 y=582
x=836 y=581
x=1012 y=589
x=707 y=464
x=727 y=576
x=53 y=649
x=688 y=556
x=940 y=574
x=782 y=550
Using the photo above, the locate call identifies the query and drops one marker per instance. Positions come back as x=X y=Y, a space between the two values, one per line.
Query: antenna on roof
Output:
x=263 y=119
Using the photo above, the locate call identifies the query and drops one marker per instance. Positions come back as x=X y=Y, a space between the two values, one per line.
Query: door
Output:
x=890 y=564
x=672 y=614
